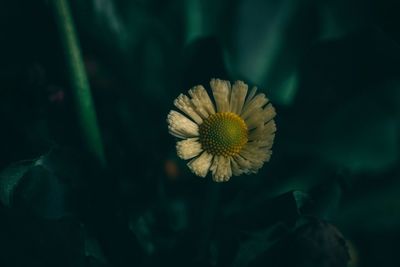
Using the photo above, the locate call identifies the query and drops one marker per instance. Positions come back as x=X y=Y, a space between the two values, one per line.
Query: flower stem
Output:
x=78 y=80
x=211 y=208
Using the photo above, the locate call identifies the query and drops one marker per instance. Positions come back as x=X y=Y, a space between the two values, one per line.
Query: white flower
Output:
x=232 y=137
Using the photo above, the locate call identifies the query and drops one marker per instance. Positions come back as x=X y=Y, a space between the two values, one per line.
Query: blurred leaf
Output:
x=142 y=228
x=42 y=186
x=361 y=139
x=178 y=213
x=257 y=243
x=194 y=19
x=322 y=201
x=348 y=103
x=373 y=210
x=302 y=199
x=10 y=178
x=203 y=60
x=93 y=251
x=39 y=192
x=338 y=19
x=29 y=241
x=268 y=39
x=264 y=211
x=105 y=14
x=205 y=18
x=139 y=43
x=313 y=242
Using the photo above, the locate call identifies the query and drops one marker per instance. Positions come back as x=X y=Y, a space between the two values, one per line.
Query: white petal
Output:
x=221 y=169
x=238 y=95
x=259 y=116
x=202 y=101
x=250 y=95
x=263 y=131
x=255 y=156
x=180 y=126
x=221 y=91
x=243 y=164
x=189 y=148
x=254 y=153
x=269 y=113
x=255 y=119
x=236 y=170
x=256 y=103
x=185 y=104
x=201 y=164
x=265 y=143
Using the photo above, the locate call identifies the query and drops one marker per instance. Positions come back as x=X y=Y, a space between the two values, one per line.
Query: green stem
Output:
x=210 y=212
x=78 y=80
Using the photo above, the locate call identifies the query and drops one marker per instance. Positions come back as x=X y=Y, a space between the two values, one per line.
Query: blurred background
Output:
x=328 y=197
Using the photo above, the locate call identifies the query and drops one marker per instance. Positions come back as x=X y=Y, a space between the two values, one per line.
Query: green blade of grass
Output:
x=78 y=80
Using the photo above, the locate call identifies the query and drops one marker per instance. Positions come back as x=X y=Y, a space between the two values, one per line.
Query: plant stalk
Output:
x=78 y=80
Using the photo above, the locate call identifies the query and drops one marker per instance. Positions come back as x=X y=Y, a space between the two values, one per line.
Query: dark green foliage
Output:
x=311 y=243
x=328 y=197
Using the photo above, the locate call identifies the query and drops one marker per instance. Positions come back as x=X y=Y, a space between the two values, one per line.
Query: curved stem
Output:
x=78 y=79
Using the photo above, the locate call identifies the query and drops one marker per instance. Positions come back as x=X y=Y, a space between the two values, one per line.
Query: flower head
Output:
x=231 y=137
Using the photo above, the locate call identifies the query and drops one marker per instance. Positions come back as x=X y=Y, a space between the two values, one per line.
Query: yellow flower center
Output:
x=223 y=133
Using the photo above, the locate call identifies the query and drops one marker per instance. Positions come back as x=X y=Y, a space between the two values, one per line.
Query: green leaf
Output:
x=262 y=212
x=313 y=242
x=302 y=199
x=266 y=47
x=338 y=19
x=43 y=186
x=93 y=250
x=10 y=178
x=257 y=243
x=373 y=210
x=41 y=193
x=322 y=200
x=361 y=139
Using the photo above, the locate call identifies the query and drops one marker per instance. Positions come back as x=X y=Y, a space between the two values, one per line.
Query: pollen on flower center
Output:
x=223 y=133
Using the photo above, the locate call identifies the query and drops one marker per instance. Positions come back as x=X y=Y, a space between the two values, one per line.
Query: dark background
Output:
x=331 y=69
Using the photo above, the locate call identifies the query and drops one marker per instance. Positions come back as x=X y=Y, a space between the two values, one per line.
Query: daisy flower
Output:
x=234 y=136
